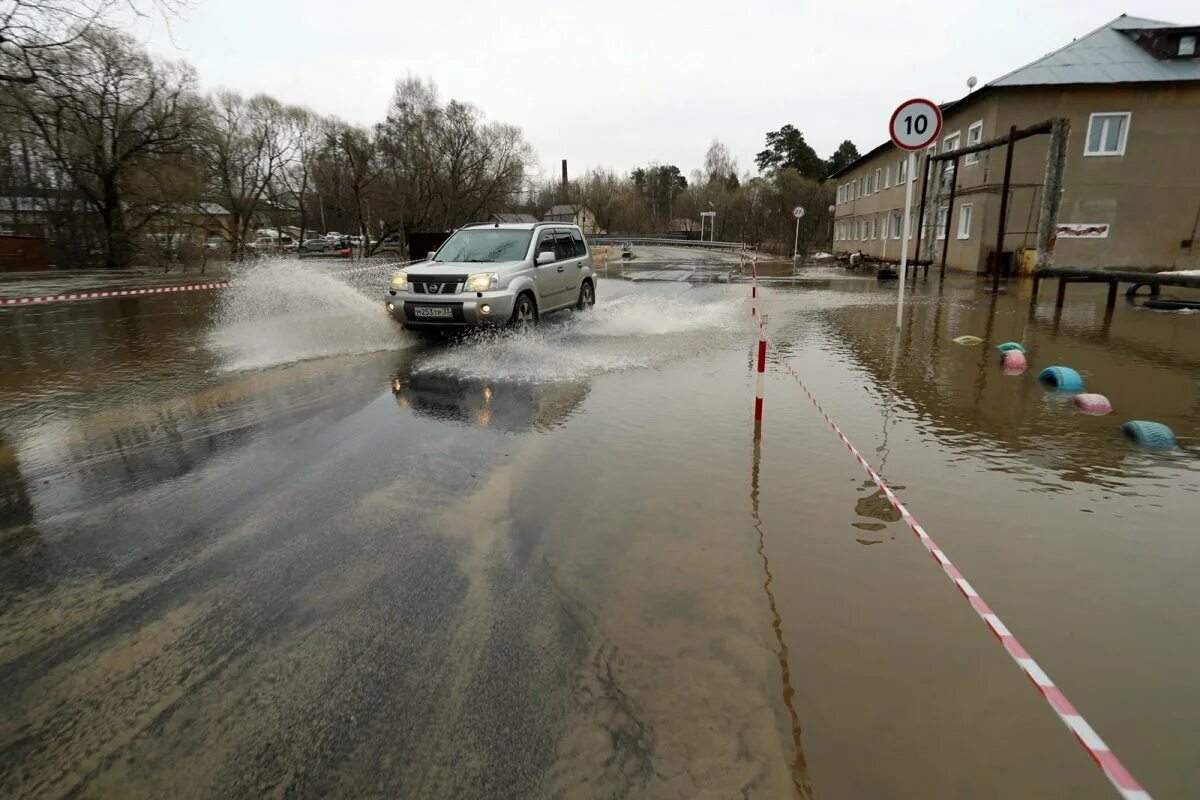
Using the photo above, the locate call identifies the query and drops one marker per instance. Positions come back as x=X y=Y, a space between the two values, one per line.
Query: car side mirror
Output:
x=430 y=255
x=545 y=257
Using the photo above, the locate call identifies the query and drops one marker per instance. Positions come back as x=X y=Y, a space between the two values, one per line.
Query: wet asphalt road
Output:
x=249 y=552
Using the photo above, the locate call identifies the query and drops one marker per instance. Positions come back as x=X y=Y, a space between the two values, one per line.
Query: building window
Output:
x=950 y=142
x=878 y=176
x=1107 y=134
x=964 y=221
x=940 y=222
x=1187 y=45
x=887 y=177
x=974 y=136
x=872 y=228
x=902 y=171
x=896 y=220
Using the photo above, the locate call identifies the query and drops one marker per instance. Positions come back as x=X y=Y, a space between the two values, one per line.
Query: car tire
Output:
x=524 y=311
x=587 y=296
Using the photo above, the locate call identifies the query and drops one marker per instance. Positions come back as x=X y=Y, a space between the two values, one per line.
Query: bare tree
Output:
x=443 y=164
x=109 y=116
x=296 y=174
x=29 y=29
x=246 y=144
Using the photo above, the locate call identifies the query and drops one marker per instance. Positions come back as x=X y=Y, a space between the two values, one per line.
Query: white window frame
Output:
x=974 y=136
x=939 y=221
x=872 y=228
x=878 y=175
x=887 y=177
x=897 y=224
x=956 y=136
x=1120 y=151
x=902 y=171
x=965 y=213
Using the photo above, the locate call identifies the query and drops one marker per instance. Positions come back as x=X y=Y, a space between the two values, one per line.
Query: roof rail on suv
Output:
x=534 y=224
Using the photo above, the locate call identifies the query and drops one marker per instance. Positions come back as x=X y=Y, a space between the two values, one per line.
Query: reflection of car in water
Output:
x=510 y=407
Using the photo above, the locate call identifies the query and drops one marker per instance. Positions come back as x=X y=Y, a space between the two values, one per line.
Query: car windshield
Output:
x=481 y=245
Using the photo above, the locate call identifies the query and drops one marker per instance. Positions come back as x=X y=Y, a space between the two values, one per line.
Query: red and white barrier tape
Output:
x=1112 y=767
x=58 y=298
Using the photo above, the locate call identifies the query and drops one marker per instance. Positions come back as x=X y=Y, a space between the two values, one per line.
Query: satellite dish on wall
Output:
x=971 y=81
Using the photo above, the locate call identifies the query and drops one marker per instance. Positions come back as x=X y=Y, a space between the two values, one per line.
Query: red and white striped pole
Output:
x=754 y=286
x=762 y=369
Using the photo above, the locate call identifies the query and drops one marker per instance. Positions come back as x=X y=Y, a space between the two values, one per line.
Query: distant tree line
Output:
x=112 y=150
x=757 y=209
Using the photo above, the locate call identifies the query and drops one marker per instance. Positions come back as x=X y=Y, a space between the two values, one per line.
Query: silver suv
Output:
x=494 y=273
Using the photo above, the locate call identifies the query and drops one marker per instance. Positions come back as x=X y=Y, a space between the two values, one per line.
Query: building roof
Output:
x=1110 y=54
x=562 y=211
x=514 y=218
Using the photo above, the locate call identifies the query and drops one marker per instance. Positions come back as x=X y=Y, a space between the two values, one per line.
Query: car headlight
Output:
x=482 y=282
x=400 y=281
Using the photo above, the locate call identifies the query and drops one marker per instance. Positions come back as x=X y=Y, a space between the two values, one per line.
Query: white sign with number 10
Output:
x=915 y=124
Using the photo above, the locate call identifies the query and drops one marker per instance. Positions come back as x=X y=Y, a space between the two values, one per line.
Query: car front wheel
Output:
x=524 y=311
x=587 y=296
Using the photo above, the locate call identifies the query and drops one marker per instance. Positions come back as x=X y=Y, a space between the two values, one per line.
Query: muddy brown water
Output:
x=262 y=542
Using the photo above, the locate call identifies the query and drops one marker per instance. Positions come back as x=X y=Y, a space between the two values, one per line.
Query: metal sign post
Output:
x=798 y=213
x=915 y=125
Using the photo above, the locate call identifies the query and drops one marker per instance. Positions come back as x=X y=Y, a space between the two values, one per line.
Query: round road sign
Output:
x=798 y=212
x=915 y=124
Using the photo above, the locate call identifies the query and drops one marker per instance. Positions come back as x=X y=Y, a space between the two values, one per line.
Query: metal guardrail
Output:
x=650 y=241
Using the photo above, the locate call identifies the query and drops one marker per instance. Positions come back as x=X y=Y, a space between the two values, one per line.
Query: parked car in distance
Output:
x=496 y=273
x=270 y=244
x=316 y=246
x=214 y=243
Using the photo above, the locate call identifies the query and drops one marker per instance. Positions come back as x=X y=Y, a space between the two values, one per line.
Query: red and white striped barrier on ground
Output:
x=97 y=295
x=1112 y=767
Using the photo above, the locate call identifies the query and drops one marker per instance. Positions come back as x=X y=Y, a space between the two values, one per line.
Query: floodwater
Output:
x=261 y=542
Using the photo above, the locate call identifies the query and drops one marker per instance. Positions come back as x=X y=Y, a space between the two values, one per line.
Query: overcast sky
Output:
x=621 y=83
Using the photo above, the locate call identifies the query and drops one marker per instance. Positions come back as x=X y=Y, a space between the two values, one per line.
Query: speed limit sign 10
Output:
x=915 y=124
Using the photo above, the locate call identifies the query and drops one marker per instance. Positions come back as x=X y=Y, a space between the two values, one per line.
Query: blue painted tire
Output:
x=1150 y=434
x=1004 y=348
x=1063 y=378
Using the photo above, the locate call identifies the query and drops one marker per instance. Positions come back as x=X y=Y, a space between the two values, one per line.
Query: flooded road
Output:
x=261 y=542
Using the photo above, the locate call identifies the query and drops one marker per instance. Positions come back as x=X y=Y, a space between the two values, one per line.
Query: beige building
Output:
x=1131 y=189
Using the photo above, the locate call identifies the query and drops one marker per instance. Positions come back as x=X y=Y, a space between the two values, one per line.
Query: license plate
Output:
x=432 y=311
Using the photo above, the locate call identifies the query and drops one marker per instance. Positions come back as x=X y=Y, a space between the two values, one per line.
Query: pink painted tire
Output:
x=1095 y=404
x=1014 y=362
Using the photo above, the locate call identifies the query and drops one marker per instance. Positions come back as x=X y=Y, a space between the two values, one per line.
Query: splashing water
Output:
x=632 y=330
x=280 y=311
